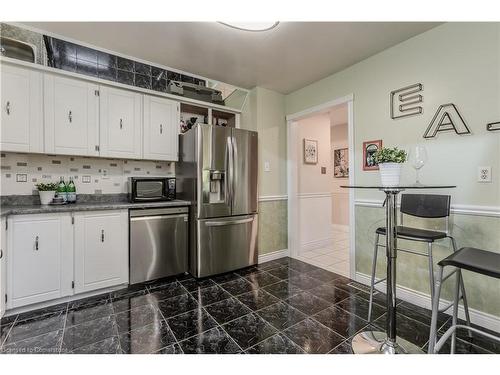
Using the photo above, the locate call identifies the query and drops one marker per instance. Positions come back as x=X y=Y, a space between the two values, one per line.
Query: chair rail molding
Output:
x=457 y=209
x=272 y=198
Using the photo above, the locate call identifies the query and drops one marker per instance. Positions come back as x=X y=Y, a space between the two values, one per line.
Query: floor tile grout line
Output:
x=63 y=329
x=8 y=333
x=220 y=325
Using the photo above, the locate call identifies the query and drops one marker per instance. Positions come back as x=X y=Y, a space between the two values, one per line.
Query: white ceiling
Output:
x=284 y=59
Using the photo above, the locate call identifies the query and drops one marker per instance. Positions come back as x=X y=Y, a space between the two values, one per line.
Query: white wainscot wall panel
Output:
x=315 y=220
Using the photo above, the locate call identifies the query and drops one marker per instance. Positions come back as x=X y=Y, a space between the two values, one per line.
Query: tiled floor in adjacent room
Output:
x=282 y=306
x=334 y=258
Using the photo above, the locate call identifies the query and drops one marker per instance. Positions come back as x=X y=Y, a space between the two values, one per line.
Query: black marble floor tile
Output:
x=344 y=348
x=307 y=303
x=461 y=347
x=266 y=266
x=88 y=333
x=35 y=326
x=85 y=313
x=261 y=278
x=247 y=270
x=191 y=323
x=249 y=330
x=8 y=319
x=340 y=321
x=281 y=315
x=323 y=275
x=409 y=329
x=257 y=299
x=300 y=266
x=167 y=291
x=283 y=272
x=285 y=261
x=47 y=343
x=420 y=314
x=90 y=301
x=131 y=290
x=224 y=278
x=171 y=349
x=329 y=293
x=304 y=282
x=125 y=303
x=137 y=317
x=283 y=289
x=193 y=285
x=227 y=310
x=238 y=286
x=358 y=306
x=177 y=305
x=277 y=344
x=110 y=345
x=4 y=331
x=476 y=339
x=210 y=295
x=313 y=337
x=161 y=283
x=214 y=341
x=49 y=310
x=147 y=339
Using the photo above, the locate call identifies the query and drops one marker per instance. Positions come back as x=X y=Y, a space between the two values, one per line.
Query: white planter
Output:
x=46 y=196
x=390 y=173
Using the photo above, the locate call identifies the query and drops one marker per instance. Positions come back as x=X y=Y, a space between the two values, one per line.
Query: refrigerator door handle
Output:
x=229 y=172
x=224 y=223
x=234 y=150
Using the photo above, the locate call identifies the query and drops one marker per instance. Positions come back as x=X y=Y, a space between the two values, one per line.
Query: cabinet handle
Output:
x=161 y=129
x=102 y=235
x=36 y=243
x=121 y=124
x=70 y=116
x=7 y=108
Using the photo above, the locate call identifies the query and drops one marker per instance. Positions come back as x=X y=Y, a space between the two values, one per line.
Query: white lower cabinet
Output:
x=3 y=265
x=101 y=249
x=40 y=265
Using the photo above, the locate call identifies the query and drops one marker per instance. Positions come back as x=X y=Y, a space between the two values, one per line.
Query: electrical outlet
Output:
x=483 y=174
x=267 y=166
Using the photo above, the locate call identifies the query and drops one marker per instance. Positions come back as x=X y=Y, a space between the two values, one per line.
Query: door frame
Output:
x=293 y=158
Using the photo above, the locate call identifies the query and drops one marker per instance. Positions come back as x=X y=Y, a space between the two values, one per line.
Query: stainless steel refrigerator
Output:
x=217 y=171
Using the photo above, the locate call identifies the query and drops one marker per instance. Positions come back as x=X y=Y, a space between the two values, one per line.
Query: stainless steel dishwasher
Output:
x=158 y=243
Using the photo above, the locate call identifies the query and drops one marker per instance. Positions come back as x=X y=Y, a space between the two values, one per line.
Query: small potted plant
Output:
x=389 y=161
x=46 y=192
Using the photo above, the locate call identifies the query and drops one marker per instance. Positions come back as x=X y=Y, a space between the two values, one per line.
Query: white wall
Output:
x=340 y=196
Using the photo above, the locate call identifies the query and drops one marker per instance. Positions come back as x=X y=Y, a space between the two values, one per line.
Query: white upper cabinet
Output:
x=120 y=123
x=40 y=267
x=71 y=116
x=101 y=249
x=161 y=128
x=22 y=111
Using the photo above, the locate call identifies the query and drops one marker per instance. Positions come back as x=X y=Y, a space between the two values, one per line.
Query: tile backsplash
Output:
x=20 y=172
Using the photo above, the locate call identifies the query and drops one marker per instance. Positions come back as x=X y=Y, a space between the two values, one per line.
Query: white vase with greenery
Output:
x=46 y=192
x=389 y=162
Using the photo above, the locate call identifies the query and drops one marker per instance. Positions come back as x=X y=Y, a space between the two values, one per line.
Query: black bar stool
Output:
x=427 y=206
x=470 y=259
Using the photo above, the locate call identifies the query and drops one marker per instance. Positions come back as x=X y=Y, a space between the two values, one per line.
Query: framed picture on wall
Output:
x=341 y=163
x=369 y=148
x=310 y=151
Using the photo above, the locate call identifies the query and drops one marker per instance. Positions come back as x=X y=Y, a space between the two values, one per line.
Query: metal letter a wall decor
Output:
x=403 y=101
x=446 y=118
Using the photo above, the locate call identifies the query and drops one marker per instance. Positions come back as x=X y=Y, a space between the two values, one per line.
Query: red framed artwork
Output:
x=369 y=148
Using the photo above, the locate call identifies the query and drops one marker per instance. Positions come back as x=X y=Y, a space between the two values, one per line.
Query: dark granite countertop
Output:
x=22 y=206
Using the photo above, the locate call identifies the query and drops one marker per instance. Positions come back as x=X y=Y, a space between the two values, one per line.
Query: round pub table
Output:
x=374 y=342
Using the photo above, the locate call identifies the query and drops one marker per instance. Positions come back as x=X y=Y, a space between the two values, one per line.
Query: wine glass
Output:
x=418 y=158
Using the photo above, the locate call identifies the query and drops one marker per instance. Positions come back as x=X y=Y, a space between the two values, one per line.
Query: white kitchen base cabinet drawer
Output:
x=40 y=265
x=161 y=128
x=22 y=111
x=101 y=249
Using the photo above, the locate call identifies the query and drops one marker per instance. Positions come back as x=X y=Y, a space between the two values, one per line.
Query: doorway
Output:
x=320 y=161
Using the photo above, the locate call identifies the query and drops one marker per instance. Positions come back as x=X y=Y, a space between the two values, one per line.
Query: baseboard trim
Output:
x=340 y=228
x=480 y=318
x=273 y=255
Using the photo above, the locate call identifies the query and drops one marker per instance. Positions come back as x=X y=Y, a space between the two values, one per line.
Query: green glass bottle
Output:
x=71 y=191
x=61 y=189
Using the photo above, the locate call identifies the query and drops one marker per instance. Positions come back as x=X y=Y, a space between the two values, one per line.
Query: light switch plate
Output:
x=267 y=166
x=86 y=179
x=484 y=174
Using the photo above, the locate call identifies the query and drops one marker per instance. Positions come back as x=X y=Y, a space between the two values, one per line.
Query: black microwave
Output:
x=151 y=189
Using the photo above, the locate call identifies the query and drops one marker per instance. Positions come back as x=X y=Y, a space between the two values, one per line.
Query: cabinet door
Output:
x=40 y=265
x=161 y=128
x=101 y=249
x=22 y=113
x=3 y=263
x=120 y=123
x=71 y=116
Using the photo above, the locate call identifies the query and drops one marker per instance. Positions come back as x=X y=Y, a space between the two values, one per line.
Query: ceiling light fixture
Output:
x=251 y=26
